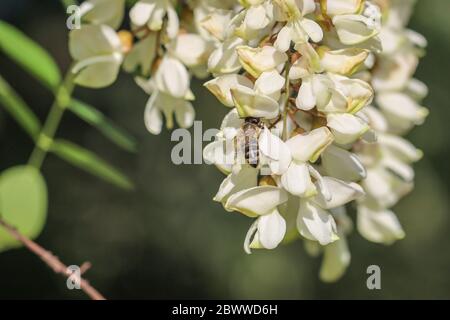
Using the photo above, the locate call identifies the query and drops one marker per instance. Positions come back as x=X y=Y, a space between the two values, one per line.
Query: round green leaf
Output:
x=23 y=203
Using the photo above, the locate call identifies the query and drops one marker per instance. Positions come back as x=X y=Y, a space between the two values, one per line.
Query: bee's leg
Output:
x=253 y=152
x=275 y=122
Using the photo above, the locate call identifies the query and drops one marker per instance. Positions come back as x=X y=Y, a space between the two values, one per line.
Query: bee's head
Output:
x=252 y=120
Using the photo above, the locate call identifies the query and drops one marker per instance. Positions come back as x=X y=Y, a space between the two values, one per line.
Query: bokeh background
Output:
x=168 y=239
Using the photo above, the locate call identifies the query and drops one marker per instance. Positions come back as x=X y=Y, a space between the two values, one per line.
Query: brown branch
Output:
x=51 y=260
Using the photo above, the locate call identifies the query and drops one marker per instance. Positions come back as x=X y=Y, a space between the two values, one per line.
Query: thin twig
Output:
x=51 y=260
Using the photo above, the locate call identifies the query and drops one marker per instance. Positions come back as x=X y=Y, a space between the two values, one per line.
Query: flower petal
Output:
x=343 y=61
x=172 y=77
x=109 y=12
x=246 y=178
x=185 y=114
x=93 y=40
x=342 y=164
x=222 y=85
x=306 y=99
x=270 y=84
x=309 y=146
x=346 y=128
x=316 y=224
x=153 y=117
x=313 y=30
x=257 y=60
x=297 y=181
x=276 y=150
x=379 y=226
x=353 y=29
x=251 y=104
x=283 y=41
x=342 y=193
x=271 y=229
x=335 y=261
x=257 y=201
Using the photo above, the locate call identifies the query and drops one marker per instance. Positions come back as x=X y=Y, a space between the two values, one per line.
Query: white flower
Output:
x=379 y=226
x=353 y=29
x=258 y=100
x=298 y=29
x=394 y=72
x=342 y=164
x=161 y=104
x=383 y=187
x=290 y=159
x=224 y=58
x=314 y=221
x=262 y=202
x=257 y=201
x=243 y=179
x=343 y=61
x=152 y=13
x=337 y=7
x=335 y=193
x=221 y=87
x=258 y=60
x=268 y=231
x=375 y=118
x=191 y=49
x=252 y=22
x=401 y=111
x=332 y=93
x=308 y=64
x=346 y=127
x=400 y=148
x=109 y=12
x=336 y=256
x=172 y=78
x=169 y=94
x=97 y=51
x=336 y=259
x=216 y=23
x=222 y=151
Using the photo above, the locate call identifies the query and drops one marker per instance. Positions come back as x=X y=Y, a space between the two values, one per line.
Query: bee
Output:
x=246 y=141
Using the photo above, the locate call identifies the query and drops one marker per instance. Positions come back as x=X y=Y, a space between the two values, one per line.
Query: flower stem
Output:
x=45 y=138
x=286 y=101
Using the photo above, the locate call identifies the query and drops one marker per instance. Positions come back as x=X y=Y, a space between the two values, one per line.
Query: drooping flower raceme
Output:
x=318 y=91
x=308 y=75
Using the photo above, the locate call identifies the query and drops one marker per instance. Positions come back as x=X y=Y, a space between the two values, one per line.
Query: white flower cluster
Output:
x=301 y=139
x=397 y=109
x=161 y=50
x=298 y=94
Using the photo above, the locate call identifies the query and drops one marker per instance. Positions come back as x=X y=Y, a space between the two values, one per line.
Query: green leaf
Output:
x=68 y=3
x=95 y=118
x=19 y=110
x=130 y=3
x=23 y=203
x=90 y=162
x=30 y=55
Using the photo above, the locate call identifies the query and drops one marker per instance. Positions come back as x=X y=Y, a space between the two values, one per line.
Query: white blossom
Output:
x=97 y=51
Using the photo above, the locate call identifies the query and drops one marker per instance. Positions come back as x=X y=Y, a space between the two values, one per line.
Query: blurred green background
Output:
x=168 y=239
